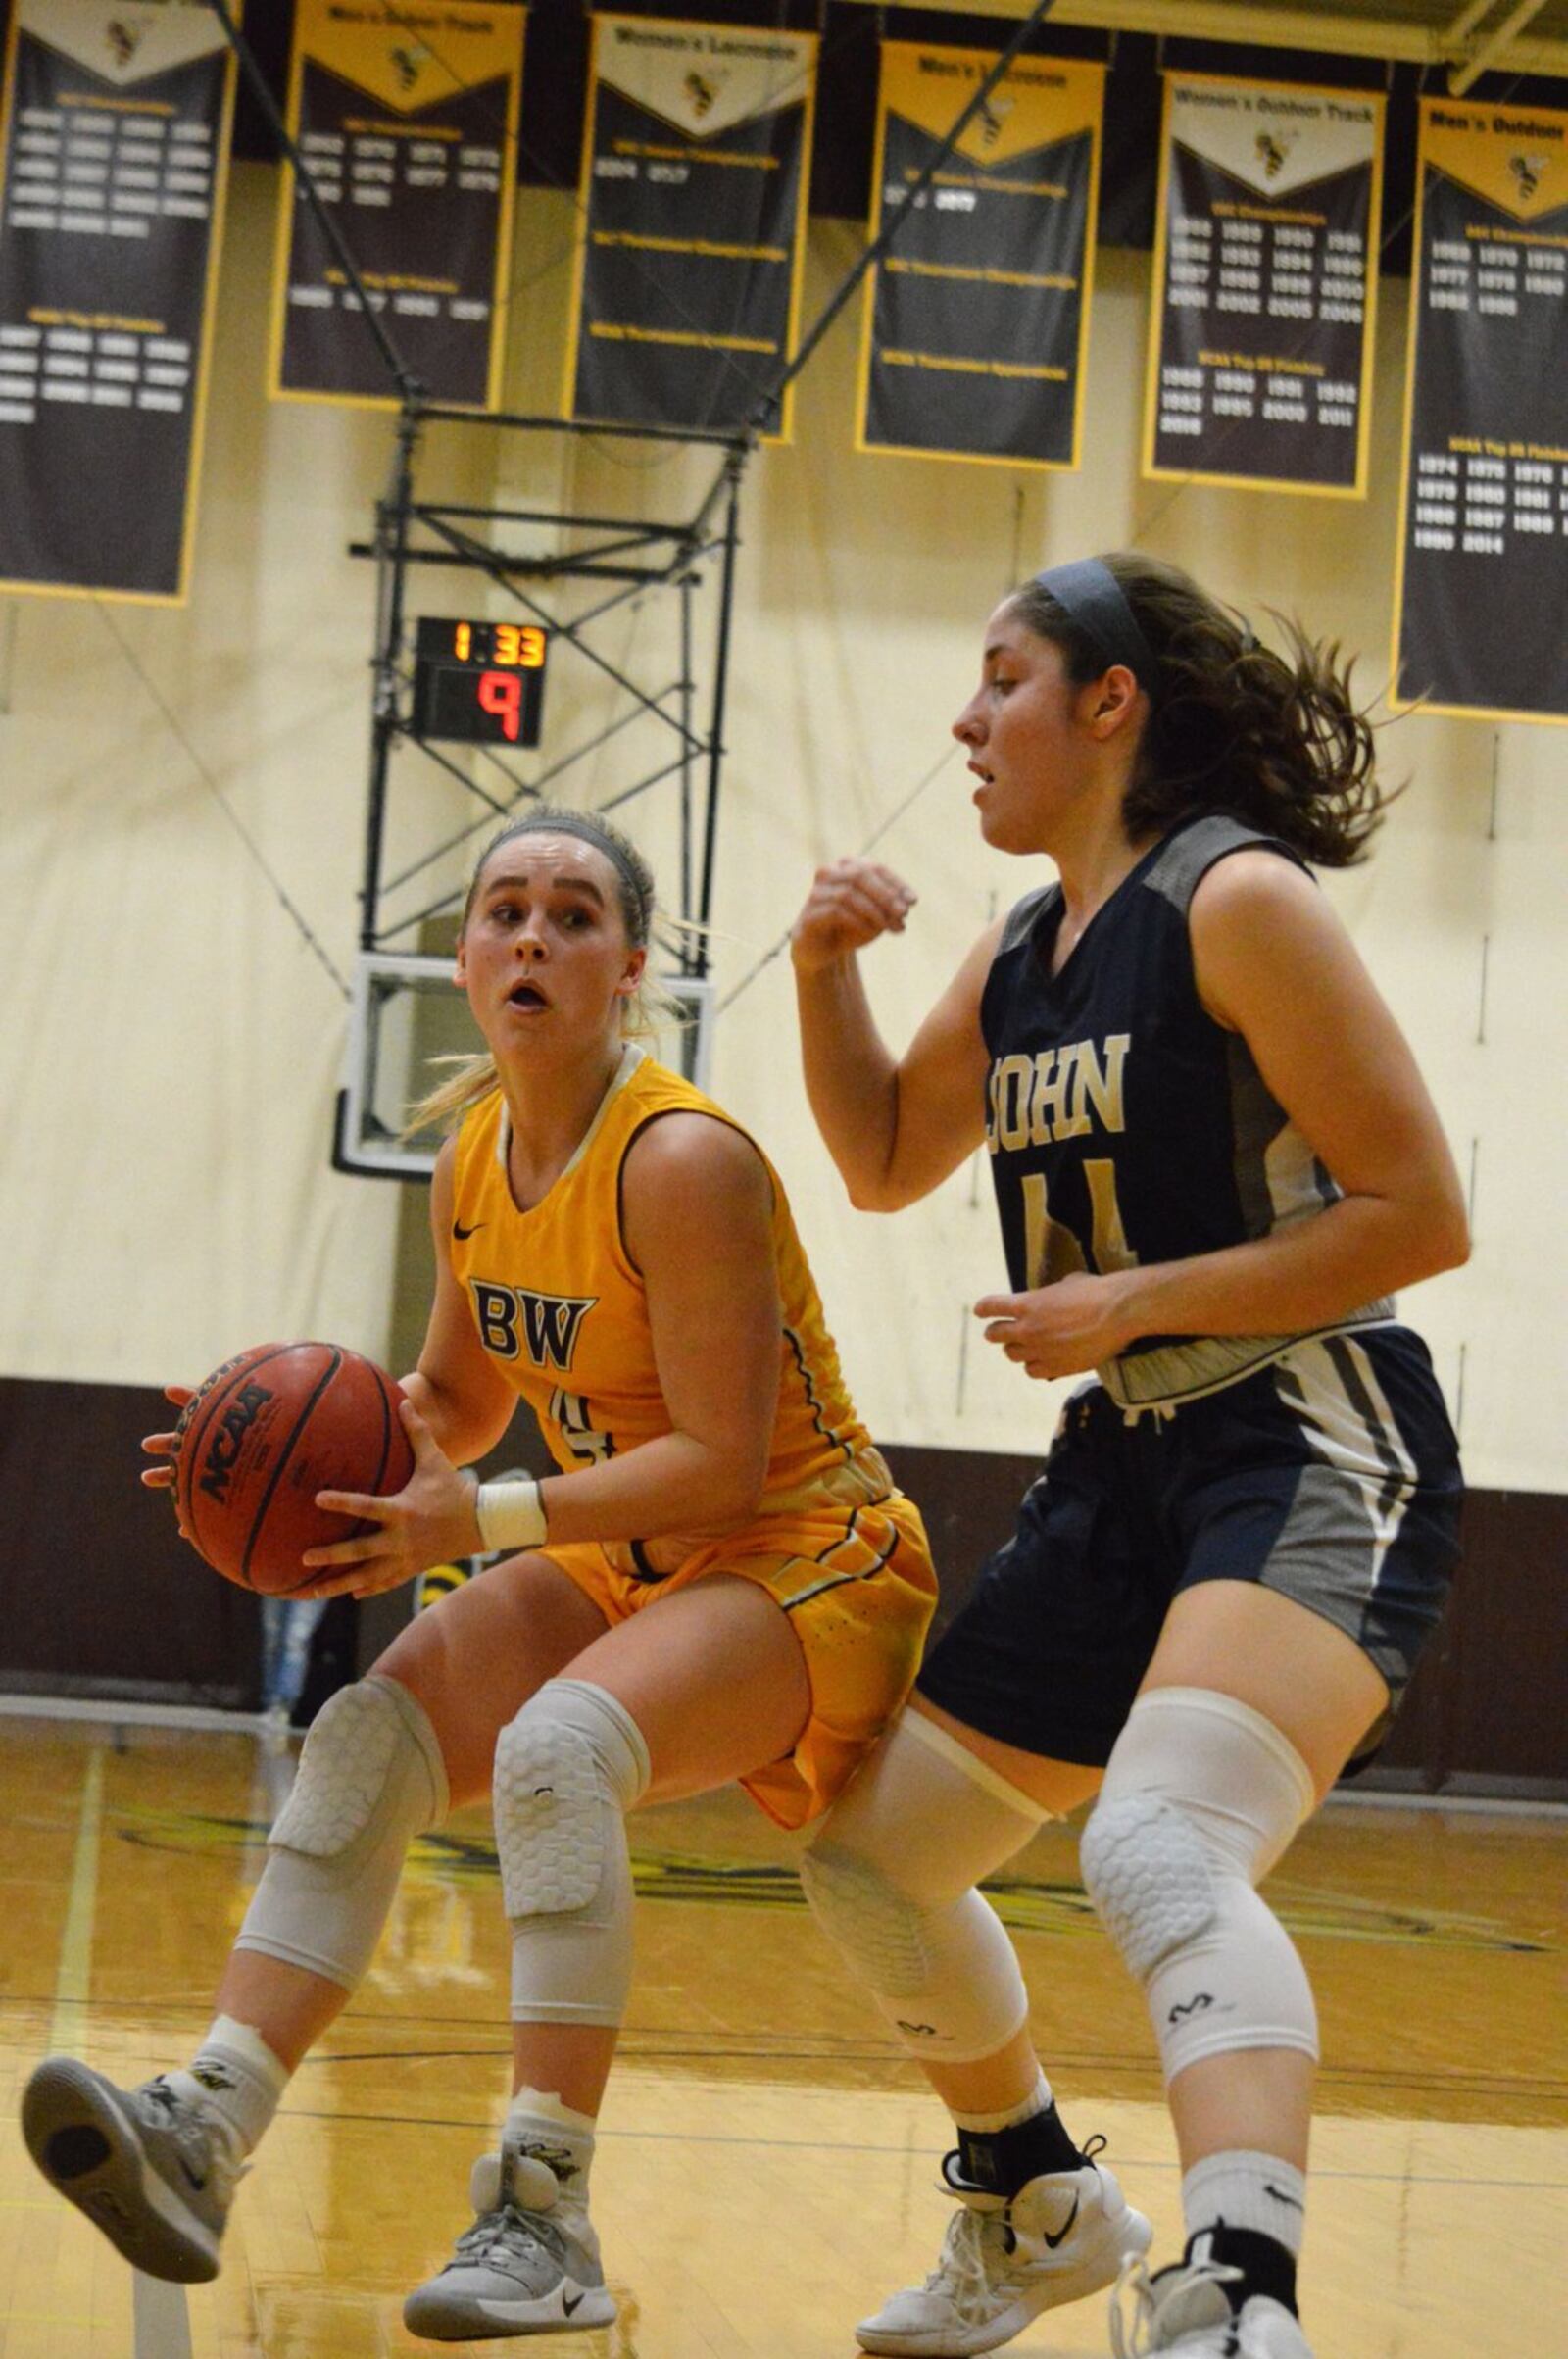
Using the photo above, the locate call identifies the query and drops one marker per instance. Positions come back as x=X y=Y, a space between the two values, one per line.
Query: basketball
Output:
x=257 y=1442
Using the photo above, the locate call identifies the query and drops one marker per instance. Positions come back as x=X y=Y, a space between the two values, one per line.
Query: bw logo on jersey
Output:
x=513 y=1320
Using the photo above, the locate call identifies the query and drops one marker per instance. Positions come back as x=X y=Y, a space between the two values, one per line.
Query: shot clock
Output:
x=482 y=683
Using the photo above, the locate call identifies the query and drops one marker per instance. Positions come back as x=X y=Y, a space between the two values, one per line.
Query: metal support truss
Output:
x=570 y=573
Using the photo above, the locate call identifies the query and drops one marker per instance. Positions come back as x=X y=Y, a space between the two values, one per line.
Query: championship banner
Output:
x=977 y=320
x=1266 y=285
x=116 y=143
x=1480 y=601
x=695 y=156
x=406 y=116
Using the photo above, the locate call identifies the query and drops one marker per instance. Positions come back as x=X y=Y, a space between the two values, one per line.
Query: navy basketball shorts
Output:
x=1331 y=1475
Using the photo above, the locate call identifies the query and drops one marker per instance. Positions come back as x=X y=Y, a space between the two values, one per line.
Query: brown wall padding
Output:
x=99 y=1597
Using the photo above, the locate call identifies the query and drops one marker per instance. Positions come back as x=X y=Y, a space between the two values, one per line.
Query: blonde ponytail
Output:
x=443 y=1108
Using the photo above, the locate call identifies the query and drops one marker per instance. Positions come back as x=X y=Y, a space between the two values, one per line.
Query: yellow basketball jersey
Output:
x=564 y=1315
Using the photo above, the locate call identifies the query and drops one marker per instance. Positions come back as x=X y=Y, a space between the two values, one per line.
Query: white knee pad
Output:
x=568 y=1769
x=890 y=1880
x=370 y=1779
x=1202 y=1797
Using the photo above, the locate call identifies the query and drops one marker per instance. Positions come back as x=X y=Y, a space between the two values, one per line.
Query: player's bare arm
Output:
x=697 y=1222
x=896 y=1127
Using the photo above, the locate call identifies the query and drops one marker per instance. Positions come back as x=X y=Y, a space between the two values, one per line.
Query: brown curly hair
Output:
x=1275 y=740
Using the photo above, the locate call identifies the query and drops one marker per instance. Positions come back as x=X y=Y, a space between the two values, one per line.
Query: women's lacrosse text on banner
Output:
x=1481 y=608
x=693 y=206
x=115 y=142
x=1265 y=282
x=976 y=320
x=406 y=117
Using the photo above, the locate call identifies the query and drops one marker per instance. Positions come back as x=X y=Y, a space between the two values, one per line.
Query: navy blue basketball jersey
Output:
x=1124 y=1124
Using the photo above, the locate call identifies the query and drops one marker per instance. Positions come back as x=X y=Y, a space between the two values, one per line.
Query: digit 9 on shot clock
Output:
x=477 y=681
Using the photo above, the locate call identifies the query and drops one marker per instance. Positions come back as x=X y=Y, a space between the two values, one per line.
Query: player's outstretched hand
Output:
x=849 y=905
x=162 y=1445
x=1064 y=1329
x=429 y=1521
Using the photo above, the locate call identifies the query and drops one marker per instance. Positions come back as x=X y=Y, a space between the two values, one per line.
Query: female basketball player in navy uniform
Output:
x=722 y=1582
x=1215 y=1162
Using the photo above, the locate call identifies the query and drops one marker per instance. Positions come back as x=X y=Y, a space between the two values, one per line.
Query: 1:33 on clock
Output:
x=478 y=682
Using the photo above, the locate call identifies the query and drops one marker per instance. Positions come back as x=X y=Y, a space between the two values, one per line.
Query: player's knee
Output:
x=567 y=1768
x=1201 y=1798
x=885 y=1868
x=371 y=1766
x=943 y=1972
x=1146 y=1869
x=370 y=1779
x=890 y=1880
x=874 y=1920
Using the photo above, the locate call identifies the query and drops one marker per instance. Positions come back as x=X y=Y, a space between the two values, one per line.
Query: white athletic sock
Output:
x=236 y=2075
x=1039 y=2101
x=1246 y=2189
x=541 y=2124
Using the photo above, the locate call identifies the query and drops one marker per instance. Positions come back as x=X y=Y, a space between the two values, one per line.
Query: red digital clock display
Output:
x=478 y=682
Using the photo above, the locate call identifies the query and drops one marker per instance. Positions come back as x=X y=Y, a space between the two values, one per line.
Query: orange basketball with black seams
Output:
x=258 y=1441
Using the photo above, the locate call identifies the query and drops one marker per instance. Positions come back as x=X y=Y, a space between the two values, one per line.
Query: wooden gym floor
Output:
x=767 y=2162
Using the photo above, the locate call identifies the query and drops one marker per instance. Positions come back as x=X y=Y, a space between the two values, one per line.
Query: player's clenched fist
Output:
x=850 y=904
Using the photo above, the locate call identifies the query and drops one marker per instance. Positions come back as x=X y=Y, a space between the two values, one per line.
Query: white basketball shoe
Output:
x=1003 y=2260
x=155 y=2170
x=530 y=2265
x=1184 y=2309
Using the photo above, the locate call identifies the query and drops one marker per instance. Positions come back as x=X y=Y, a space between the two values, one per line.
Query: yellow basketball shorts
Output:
x=859 y=1586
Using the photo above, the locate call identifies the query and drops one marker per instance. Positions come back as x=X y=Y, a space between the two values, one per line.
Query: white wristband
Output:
x=511 y=1515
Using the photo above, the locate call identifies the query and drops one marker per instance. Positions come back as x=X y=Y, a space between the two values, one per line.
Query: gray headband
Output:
x=1089 y=592
x=582 y=825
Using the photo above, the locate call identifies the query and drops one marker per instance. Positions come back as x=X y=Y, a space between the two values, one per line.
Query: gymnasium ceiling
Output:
x=1512 y=37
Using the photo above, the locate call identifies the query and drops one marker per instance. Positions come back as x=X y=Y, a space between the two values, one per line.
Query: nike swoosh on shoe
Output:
x=1065 y=2230
x=503 y=2314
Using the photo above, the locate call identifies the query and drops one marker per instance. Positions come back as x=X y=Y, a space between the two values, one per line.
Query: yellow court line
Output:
x=74 y=1970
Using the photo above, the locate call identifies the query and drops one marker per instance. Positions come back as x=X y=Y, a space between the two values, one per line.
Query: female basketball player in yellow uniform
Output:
x=722 y=1581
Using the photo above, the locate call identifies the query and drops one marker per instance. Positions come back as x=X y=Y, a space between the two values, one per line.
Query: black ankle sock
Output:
x=1266 y=2267
x=1002 y=2161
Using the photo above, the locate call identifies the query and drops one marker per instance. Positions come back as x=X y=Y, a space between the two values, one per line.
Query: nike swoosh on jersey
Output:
x=463 y=1234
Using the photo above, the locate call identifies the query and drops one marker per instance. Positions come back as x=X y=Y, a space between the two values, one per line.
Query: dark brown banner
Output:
x=694 y=214
x=1265 y=284
x=406 y=116
x=115 y=139
x=1480 y=609
x=978 y=322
